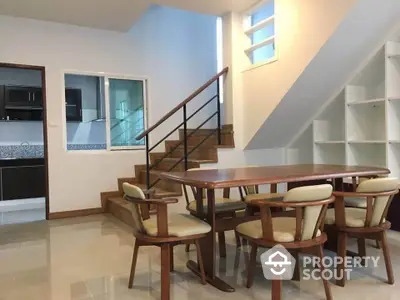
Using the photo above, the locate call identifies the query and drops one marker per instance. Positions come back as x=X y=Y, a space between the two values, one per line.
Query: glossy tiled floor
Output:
x=89 y=259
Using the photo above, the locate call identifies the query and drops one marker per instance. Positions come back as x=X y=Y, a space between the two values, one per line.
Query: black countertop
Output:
x=21 y=162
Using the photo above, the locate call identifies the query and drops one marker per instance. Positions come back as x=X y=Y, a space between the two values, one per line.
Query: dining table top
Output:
x=233 y=177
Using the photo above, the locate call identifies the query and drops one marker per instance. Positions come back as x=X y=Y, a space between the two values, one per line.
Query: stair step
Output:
x=121 y=209
x=161 y=184
x=201 y=153
x=169 y=162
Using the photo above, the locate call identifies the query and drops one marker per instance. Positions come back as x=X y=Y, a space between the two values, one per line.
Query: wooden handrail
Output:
x=183 y=103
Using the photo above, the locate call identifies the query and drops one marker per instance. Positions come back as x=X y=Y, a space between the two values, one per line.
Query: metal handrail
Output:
x=127 y=129
x=122 y=120
x=186 y=118
x=183 y=103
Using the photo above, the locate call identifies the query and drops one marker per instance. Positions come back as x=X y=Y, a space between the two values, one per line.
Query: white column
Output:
x=234 y=41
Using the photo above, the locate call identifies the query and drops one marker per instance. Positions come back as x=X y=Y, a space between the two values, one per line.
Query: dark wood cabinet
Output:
x=17 y=96
x=26 y=103
x=73 y=104
x=22 y=182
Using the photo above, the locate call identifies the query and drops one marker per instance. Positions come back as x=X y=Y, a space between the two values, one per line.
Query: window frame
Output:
x=249 y=29
x=106 y=76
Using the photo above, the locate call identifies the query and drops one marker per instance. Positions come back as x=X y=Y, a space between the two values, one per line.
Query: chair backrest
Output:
x=133 y=191
x=311 y=212
x=378 y=206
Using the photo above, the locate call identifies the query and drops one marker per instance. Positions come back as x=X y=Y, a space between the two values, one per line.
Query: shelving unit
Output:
x=329 y=127
x=330 y=154
x=361 y=125
x=367 y=155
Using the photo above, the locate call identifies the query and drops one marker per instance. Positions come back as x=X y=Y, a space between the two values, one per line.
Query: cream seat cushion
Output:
x=221 y=205
x=356 y=202
x=264 y=196
x=355 y=217
x=284 y=229
x=179 y=225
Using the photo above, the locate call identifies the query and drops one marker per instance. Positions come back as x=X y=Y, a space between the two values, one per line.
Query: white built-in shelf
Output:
x=370 y=101
x=367 y=142
x=330 y=142
x=334 y=154
x=361 y=125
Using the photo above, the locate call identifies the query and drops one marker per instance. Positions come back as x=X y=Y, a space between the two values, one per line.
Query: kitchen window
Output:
x=104 y=112
x=259 y=27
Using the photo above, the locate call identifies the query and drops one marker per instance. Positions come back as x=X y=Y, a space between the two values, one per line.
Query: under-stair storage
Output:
x=394 y=158
x=330 y=153
x=367 y=154
x=366 y=122
x=360 y=125
x=394 y=120
x=369 y=84
x=329 y=126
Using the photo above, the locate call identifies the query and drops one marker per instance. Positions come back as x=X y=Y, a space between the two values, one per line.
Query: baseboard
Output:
x=75 y=213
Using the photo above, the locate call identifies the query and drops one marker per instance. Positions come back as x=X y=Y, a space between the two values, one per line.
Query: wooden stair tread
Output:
x=199 y=161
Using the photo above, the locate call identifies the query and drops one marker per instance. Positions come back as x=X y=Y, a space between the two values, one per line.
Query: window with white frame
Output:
x=259 y=27
x=104 y=112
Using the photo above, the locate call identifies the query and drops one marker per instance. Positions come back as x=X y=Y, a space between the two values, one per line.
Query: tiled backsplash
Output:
x=31 y=151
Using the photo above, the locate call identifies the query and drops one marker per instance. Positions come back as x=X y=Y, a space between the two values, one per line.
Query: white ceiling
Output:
x=118 y=15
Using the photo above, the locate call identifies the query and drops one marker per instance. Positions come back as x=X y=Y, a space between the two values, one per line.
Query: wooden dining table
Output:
x=246 y=176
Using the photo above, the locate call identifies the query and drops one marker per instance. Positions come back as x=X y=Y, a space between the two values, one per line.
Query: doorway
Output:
x=24 y=188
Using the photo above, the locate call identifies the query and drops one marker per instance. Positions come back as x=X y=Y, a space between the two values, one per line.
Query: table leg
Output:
x=338 y=183
x=208 y=250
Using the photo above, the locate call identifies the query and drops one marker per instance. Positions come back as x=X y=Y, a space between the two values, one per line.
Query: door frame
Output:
x=42 y=70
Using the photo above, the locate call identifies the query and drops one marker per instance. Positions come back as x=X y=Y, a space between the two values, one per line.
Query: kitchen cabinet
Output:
x=22 y=179
x=24 y=103
x=73 y=104
x=19 y=96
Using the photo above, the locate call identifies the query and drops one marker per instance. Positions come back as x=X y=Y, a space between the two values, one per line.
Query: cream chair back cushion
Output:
x=311 y=213
x=378 y=185
x=133 y=191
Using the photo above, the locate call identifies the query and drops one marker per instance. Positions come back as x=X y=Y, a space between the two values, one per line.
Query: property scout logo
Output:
x=279 y=264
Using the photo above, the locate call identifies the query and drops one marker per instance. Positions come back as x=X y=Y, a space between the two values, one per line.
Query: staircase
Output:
x=195 y=147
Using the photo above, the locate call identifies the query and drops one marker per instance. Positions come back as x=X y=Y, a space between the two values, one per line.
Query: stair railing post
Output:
x=185 y=142
x=147 y=162
x=219 y=112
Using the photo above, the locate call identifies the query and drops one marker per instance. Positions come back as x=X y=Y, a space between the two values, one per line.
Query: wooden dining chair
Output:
x=360 y=202
x=164 y=231
x=304 y=232
x=225 y=208
x=363 y=223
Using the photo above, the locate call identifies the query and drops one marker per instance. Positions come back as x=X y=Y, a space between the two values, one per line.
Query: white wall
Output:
x=174 y=49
